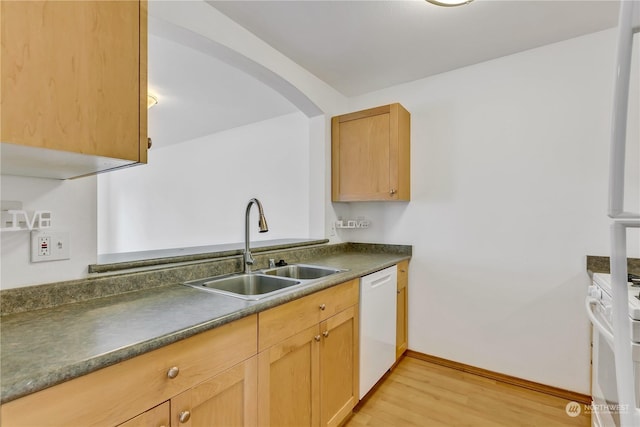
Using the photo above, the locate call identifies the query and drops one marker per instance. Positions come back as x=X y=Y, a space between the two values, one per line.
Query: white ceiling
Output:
x=361 y=46
x=355 y=46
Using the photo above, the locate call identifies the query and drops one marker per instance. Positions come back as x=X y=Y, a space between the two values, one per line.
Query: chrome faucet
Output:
x=262 y=225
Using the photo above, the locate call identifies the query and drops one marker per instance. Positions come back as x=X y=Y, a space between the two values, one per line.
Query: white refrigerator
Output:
x=621 y=220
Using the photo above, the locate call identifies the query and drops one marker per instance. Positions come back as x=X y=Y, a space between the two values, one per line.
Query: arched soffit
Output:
x=180 y=31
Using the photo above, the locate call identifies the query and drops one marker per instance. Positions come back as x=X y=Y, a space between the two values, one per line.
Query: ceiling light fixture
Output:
x=151 y=101
x=449 y=3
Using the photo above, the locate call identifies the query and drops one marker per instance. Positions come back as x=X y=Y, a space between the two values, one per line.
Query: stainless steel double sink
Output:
x=263 y=283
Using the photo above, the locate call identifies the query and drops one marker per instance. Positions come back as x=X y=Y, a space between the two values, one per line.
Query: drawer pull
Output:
x=173 y=372
x=323 y=306
x=325 y=334
x=317 y=338
x=184 y=416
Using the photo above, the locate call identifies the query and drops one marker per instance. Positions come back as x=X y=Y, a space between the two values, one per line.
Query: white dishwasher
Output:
x=377 y=326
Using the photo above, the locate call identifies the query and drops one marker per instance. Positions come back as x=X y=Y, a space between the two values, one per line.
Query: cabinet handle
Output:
x=403 y=271
x=393 y=191
x=173 y=372
x=184 y=416
x=149 y=143
x=398 y=291
x=325 y=334
x=317 y=338
x=322 y=307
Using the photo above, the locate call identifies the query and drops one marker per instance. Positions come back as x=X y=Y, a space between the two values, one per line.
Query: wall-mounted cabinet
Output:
x=74 y=86
x=370 y=157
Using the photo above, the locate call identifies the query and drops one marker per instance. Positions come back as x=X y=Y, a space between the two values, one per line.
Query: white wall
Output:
x=195 y=193
x=73 y=207
x=509 y=193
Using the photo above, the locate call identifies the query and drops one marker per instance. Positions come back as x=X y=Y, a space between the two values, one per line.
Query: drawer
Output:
x=158 y=416
x=403 y=274
x=286 y=320
x=117 y=393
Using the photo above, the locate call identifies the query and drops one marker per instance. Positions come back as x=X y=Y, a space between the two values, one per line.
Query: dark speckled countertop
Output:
x=44 y=347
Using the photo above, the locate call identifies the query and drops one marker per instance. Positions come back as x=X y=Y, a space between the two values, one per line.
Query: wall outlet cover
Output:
x=49 y=245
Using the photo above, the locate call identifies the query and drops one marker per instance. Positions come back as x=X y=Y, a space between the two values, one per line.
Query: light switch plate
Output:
x=49 y=245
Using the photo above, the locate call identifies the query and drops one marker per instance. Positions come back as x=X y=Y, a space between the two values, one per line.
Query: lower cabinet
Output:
x=200 y=372
x=228 y=399
x=402 y=327
x=288 y=374
x=311 y=377
x=155 y=417
x=339 y=373
x=293 y=365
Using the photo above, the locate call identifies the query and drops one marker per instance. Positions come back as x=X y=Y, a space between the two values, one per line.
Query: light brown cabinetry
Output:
x=308 y=366
x=74 y=80
x=228 y=399
x=339 y=357
x=371 y=155
x=154 y=417
x=118 y=393
x=402 y=327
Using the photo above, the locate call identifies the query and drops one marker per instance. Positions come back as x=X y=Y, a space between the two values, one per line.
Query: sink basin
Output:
x=302 y=271
x=245 y=286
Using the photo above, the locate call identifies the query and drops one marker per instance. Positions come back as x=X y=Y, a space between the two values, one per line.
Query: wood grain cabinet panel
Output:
x=285 y=320
x=308 y=365
x=371 y=155
x=154 y=417
x=288 y=374
x=227 y=400
x=339 y=369
x=120 y=392
x=74 y=80
x=402 y=324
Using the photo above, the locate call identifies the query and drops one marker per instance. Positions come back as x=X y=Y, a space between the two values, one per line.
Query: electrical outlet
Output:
x=49 y=245
x=44 y=246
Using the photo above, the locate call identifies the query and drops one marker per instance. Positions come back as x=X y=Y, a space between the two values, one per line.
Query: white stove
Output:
x=607 y=409
x=601 y=291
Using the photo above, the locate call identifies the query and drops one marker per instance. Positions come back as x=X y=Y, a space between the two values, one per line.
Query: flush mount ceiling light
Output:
x=449 y=3
x=151 y=101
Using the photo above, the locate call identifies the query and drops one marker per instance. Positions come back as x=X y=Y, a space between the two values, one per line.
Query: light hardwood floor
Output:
x=419 y=393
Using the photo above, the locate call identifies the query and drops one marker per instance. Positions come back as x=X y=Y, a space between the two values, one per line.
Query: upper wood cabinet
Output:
x=370 y=158
x=74 y=86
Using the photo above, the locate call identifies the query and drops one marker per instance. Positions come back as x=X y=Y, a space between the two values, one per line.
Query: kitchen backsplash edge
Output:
x=600 y=264
x=48 y=295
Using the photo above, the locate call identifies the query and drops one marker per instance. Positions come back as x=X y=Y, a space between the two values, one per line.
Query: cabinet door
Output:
x=73 y=78
x=278 y=323
x=363 y=158
x=370 y=155
x=156 y=417
x=401 y=309
x=339 y=366
x=228 y=399
x=288 y=373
